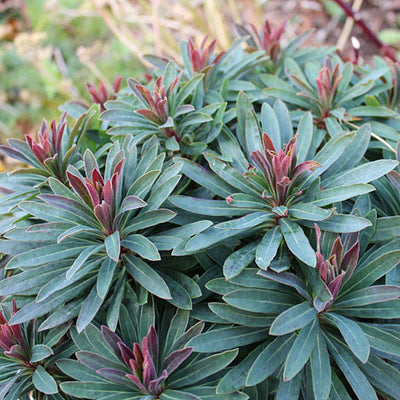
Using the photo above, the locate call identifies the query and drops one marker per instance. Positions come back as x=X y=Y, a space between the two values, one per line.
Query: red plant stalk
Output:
x=386 y=50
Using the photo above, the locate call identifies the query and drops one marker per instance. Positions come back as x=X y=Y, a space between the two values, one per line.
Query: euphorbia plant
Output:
x=27 y=358
x=278 y=191
x=99 y=234
x=318 y=322
x=154 y=367
x=227 y=230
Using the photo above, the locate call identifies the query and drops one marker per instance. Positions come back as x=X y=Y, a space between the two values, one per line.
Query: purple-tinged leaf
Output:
x=289 y=279
x=80 y=188
x=131 y=203
x=175 y=359
x=67 y=204
x=152 y=342
x=12 y=153
x=370 y=295
x=350 y=261
x=148 y=367
x=189 y=334
x=126 y=353
x=95 y=361
x=103 y=214
x=393 y=176
x=112 y=339
x=150 y=115
x=113 y=375
x=155 y=386
x=137 y=382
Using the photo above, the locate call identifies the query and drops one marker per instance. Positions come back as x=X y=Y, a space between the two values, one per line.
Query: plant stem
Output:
x=385 y=49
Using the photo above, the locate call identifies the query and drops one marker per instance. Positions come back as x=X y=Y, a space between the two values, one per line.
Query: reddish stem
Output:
x=386 y=50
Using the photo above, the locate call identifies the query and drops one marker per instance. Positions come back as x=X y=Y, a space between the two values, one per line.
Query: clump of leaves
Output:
x=202 y=58
x=168 y=111
x=280 y=191
x=99 y=234
x=27 y=358
x=238 y=189
x=157 y=366
x=318 y=322
x=268 y=39
x=101 y=96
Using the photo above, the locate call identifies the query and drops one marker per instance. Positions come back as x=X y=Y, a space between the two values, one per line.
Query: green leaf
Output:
x=252 y=133
x=385 y=310
x=381 y=340
x=149 y=218
x=231 y=176
x=309 y=212
x=78 y=371
x=43 y=381
x=305 y=134
x=269 y=360
x=288 y=279
x=368 y=295
x=89 y=309
x=105 y=277
x=248 y=221
x=268 y=247
x=301 y=350
x=205 y=178
x=98 y=390
x=341 y=223
x=270 y=126
x=113 y=246
x=82 y=259
x=46 y=254
x=236 y=377
x=211 y=237
x=297 y=242
x=240 y=317
x=284 y=120
x=352 y=334
x=292 y=319
x=160 y=195
x=177 y=395
x=368 y=274
x=383 y=376
x=328 y=155
x=357 y=380
x=262 y=301
x=187 y=89
x=239 y=260
x=387 y=228
x=338 y=390
x=198 y=370
x=290 y=389
x=146 y=276
x=29 y=279
x=371 y=111
x=40 y=352
x=226 y=338
x=205 y=206
x=34 y=310
x=341 y=193
x=320 y=369
x=180 y=297
x=141 y=246
x=362 y=174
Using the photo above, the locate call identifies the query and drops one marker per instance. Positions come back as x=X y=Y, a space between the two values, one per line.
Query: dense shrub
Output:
x=228 y=230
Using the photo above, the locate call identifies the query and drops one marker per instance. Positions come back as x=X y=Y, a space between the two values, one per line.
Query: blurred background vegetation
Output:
x=49 y=49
